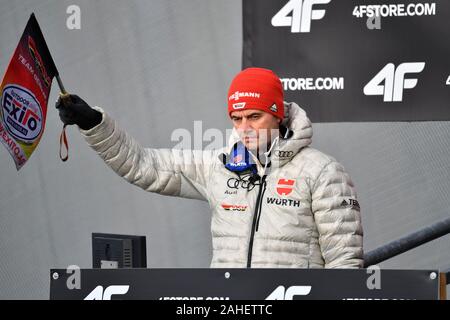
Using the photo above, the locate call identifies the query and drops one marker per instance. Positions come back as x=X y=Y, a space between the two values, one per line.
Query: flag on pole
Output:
x=25 y=91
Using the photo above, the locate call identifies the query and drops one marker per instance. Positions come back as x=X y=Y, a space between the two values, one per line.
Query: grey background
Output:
x=156 y=66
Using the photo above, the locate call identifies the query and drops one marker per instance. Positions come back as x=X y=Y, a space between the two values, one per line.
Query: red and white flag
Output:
x=25 y=90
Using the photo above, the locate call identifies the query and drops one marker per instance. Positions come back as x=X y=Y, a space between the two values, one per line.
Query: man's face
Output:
x=256 y=128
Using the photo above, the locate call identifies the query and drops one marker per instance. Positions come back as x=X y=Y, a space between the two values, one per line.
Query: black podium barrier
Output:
x=242 y=284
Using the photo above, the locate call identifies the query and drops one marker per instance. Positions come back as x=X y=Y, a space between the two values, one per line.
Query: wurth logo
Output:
x=284 y=187
x=302 y=15
x=284 y=202
x=394 y=81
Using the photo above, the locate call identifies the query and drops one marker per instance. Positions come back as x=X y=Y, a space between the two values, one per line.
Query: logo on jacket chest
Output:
x=283 y=155
x=234 y=207
x=283 y=202
x=284 y=188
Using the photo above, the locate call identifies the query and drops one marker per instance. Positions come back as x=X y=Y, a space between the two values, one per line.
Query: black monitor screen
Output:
x=112 y=251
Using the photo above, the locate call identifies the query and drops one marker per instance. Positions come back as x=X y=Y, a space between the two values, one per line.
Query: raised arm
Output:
x=182 y=173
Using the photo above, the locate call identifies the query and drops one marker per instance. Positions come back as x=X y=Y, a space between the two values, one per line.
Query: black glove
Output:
x=73 y=110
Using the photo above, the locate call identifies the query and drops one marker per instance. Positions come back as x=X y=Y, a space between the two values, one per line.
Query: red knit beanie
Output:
x=256 y=88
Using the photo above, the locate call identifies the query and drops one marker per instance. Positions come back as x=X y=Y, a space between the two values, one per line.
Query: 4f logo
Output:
x=394 y=81
x=301 y=17
x=99 y=294
x=281 y=293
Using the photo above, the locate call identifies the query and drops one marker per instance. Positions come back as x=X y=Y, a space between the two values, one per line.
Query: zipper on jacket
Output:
x=264 y=184
x=255 y=224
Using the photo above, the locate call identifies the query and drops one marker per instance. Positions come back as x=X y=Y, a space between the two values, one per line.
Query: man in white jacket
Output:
x=275 y=201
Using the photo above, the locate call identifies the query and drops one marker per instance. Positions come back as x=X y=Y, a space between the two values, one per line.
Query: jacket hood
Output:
x=297 y=136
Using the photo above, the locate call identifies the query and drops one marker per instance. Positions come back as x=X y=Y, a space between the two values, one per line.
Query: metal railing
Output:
x=407 y=243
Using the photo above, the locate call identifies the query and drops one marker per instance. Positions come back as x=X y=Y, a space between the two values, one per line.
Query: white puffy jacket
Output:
x=302 y=213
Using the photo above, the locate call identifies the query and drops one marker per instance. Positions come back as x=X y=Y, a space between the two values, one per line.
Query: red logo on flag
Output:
x=40 y=65
x=285 y=186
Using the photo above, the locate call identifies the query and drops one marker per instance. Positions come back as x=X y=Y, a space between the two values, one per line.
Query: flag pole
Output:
x=61 y=85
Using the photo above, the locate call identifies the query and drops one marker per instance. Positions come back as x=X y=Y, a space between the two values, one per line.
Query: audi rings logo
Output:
x=284 y=154
x=244 y=183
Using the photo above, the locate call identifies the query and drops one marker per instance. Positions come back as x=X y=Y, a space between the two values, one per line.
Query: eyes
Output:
x=254 y=116
x=251 y=117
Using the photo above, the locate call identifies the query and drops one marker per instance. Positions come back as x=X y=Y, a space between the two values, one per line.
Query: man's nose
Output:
x=244 y=126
